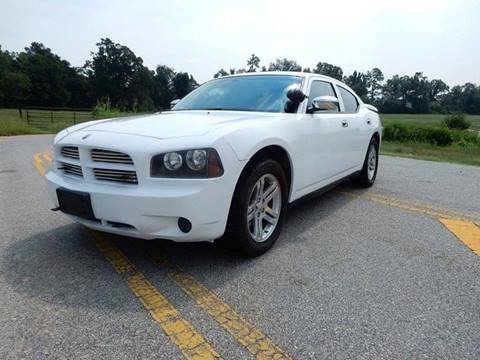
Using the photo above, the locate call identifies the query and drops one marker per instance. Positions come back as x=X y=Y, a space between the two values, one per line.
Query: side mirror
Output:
x=173 y=103
x=296 y=95
x=324 y=103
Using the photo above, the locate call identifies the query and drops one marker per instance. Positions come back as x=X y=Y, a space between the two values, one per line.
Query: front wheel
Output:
x=368 y=174
x=258 y=208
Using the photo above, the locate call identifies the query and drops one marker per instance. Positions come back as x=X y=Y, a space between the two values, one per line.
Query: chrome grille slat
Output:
x=109 y=156
x=70 y=152
x=72 y=169
x=123 y=176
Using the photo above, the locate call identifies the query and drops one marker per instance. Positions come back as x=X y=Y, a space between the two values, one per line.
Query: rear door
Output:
x=355 y=126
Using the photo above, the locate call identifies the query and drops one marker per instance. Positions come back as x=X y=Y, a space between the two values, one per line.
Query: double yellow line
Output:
x=245 y=333
x=180 y=331
x=42 y=161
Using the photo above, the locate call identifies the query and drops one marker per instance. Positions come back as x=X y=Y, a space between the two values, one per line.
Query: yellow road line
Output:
x=245 y=333
x=37 y=161
x=465 y=231
x=48 y=156
x=42 y=161
x=459 y=224
x=411 y=206
x=180 y=331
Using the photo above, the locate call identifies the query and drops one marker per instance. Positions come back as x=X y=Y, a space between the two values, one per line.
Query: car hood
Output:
x=169 y=124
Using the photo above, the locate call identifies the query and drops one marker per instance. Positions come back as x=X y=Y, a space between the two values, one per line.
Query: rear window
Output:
x=349 y=100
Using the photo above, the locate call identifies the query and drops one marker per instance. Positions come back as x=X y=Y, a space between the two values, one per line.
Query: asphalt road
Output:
x=355 y=275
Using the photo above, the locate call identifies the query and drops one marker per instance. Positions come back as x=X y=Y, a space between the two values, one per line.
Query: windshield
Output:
x=243 y=93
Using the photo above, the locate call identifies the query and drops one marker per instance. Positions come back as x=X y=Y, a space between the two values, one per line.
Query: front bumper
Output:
x=153 y=212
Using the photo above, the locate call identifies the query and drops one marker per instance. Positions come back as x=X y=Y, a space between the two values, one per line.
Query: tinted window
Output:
x=349 y=101
x=243 y=93
x=320 y=88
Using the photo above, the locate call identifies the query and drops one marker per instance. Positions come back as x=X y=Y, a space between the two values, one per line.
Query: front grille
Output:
x=71 y=169
x=111 y=157
x=122 y=176
x=70 y=152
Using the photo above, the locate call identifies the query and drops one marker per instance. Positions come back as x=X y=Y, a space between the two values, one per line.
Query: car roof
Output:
x=290 y=73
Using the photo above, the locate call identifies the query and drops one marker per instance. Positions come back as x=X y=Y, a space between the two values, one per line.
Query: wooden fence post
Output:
x=51 y=117
x=28 y=118
x=20 y=113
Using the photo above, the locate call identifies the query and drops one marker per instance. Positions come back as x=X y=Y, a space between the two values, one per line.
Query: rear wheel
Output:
x=368 y=174
x=258 y=208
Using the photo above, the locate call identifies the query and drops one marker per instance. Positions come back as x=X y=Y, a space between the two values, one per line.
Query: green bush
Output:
x=457 y=121
x=418 y=134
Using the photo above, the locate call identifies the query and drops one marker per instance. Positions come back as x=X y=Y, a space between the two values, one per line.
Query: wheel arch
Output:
x=275 y=152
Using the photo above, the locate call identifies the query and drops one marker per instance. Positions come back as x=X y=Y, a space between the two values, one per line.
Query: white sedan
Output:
x=224 y=163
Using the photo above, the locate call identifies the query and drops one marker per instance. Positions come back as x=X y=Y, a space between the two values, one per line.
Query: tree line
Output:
x=400 y=94
x=115 y=75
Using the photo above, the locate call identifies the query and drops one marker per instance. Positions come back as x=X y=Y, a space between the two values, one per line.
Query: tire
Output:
x=242 y=231
x=368 y=174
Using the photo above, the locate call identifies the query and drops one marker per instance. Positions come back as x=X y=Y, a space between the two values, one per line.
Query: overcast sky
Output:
x=439 y=37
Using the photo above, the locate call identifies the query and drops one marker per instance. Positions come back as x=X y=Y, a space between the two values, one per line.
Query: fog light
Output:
x=184 y=225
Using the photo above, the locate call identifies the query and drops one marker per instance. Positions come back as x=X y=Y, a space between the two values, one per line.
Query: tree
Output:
x=220 y=73
x=79 y=87
x=464 y=98
x=406 y=94
x=329 y=70
x=48 y=76
x=437 y=90
x=183 y=83
x=118 y=74
x=471 y=98
x=163 y=92
x=284 y=65
x=358 y=82
x=253 y=63
x=374 y=80
x=14 y=85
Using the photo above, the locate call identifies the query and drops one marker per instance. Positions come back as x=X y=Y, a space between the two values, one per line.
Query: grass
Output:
x=457 y=154
x=12 y=124
x=454 y=154
x=425 y=119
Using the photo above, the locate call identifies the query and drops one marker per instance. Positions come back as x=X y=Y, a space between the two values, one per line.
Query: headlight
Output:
x=172 y=161
x=197 y=159
x=194 y=163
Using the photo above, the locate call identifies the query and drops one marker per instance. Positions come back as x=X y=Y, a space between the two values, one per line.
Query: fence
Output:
x=44 y=116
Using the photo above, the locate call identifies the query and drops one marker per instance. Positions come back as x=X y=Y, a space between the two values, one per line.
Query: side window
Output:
x=320 y=88
x=349 y=101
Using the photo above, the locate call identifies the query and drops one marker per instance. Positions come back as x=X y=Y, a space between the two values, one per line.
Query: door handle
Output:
x=344 y=123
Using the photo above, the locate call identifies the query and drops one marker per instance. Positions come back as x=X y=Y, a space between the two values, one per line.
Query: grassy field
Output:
x=12 y=124
x=454 y=154
x=425 y=119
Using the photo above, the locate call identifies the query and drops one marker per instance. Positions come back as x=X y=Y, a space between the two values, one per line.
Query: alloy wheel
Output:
x=264 y=207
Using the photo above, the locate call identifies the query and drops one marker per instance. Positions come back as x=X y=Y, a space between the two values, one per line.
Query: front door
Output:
x=328 y=141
